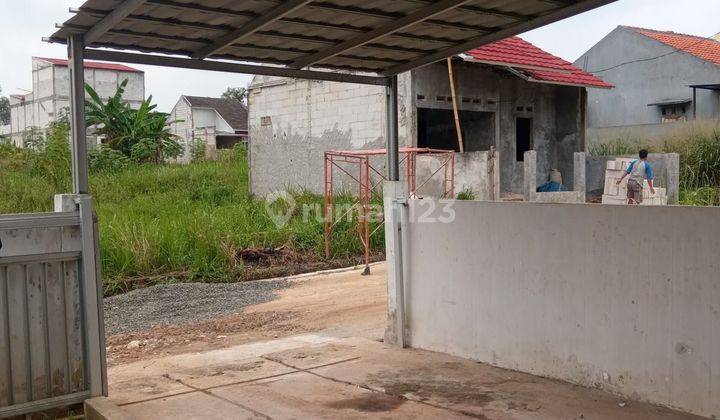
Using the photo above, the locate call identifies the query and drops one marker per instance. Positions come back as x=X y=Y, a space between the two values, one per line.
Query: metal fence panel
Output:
x=48 y=347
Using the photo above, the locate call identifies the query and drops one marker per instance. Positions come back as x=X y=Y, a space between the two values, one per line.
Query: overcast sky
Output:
x=24 y=22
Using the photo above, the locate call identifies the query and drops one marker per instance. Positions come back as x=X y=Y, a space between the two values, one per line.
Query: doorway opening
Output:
x=523 y=137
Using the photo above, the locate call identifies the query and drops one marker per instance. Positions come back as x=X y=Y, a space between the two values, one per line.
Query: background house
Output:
x=511 y=95
x=653 y=72
x=49 y=97
x=220 y=123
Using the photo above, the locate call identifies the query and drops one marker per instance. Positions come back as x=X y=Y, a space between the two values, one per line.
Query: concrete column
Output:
x=579 y=183
x=65 y=203
x=530 y=174
x=495 y=162
x=395 y=206
x=673 y=178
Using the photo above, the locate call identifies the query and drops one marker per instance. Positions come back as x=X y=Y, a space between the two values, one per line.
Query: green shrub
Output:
x=705 y=196
x=13 y=158
x=105 y=159
x=467 y=194
x=197 y=149
x=54 y=161
x=33 y=139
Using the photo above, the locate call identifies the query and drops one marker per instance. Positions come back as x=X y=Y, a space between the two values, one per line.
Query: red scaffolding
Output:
x=357 y=166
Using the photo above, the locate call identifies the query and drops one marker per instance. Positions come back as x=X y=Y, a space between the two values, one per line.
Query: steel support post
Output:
x=393 y=145
x=77 y=114
x=395 y=197
x=91 y=292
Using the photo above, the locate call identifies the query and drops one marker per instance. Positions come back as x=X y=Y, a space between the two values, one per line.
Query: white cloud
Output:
x=25 y=22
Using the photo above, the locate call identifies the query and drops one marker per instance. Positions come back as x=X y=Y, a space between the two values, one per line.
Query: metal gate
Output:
x=51 y=327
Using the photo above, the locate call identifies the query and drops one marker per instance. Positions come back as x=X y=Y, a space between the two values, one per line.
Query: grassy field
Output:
x=161 y=223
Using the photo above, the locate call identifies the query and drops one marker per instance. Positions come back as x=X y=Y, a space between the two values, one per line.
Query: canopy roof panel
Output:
x=384 y=37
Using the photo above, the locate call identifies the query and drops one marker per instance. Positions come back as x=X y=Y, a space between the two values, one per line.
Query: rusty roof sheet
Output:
x=373 y=36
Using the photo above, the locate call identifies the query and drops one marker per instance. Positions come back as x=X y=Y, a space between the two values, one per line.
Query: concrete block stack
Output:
x=617 y=194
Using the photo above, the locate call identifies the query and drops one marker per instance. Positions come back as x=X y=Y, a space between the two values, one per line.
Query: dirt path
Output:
x=347 y=304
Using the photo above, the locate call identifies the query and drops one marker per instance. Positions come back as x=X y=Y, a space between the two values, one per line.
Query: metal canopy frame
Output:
x=383 y=38
x=285 y=37
x=344 y=40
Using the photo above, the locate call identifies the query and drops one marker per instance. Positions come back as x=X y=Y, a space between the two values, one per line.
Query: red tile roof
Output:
x=704 y=48
x=92 y=65
x=535 y=63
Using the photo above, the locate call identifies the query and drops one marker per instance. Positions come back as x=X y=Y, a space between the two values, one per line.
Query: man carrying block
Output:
x=639 y=170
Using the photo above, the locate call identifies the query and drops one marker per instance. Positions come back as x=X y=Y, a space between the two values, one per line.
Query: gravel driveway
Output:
x=181 y=303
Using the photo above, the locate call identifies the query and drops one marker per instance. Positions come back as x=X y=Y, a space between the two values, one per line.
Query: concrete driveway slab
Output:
x=193 y=406
x=306 y=396
x=316 y=376
x=216 y=375
x=144 y=388
x=315 y=355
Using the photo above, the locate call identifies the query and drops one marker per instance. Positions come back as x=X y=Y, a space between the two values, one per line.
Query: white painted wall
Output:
x=51 y=93
x=209 y=118
x=622 y=298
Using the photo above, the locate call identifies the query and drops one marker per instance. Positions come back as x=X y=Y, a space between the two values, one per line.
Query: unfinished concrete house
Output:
x=510 y=96
x=220 y=123
x=50 y=95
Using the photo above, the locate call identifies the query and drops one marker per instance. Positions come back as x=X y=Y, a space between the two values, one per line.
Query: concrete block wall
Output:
x=531 y=177
x=665 y=165
x=617 y=194
x=293 y=122
x=622 y=298
x=478 y=172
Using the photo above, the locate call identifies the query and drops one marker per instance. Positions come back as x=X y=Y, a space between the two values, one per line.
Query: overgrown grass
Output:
x=617 y=147
x=189 y=221
x=704 y=196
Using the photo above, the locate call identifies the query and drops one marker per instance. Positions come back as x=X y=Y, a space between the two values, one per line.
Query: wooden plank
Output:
x=19 y=342
x=57 y=341
x=37 y=328
x=451 y=78
x=5 y=379
x=74 y=327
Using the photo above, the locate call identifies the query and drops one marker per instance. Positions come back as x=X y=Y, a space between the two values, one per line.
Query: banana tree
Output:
x=141 y=134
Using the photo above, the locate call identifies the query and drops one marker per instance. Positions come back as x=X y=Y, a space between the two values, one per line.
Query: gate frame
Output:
x=72 y=210
x=79 y=204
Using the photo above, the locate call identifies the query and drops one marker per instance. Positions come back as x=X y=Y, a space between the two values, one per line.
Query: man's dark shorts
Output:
x=634 y=192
